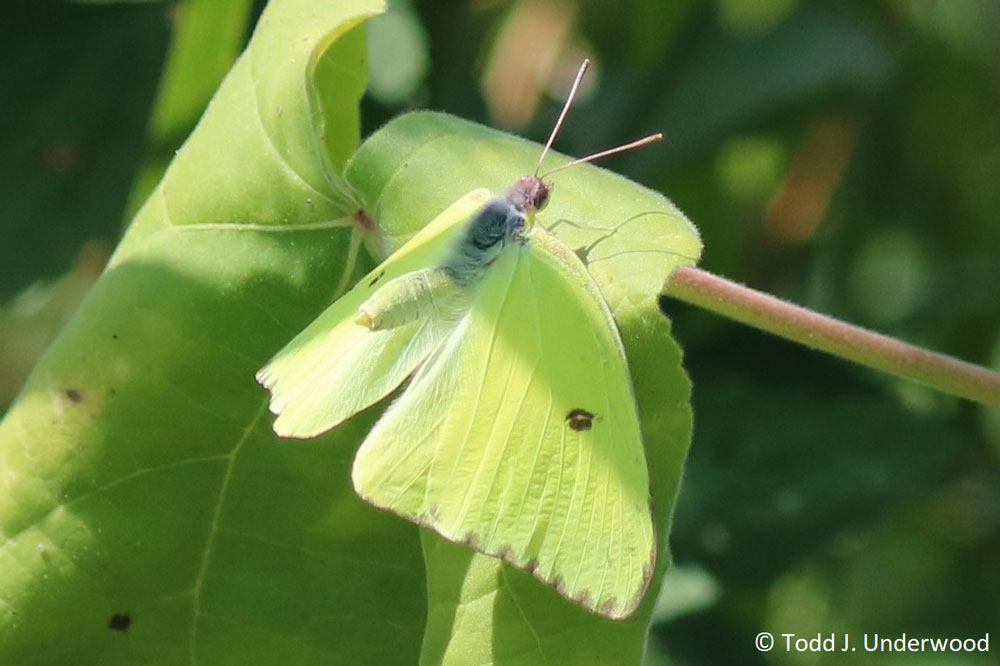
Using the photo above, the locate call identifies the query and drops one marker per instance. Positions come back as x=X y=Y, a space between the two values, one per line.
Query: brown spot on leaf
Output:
x=580 y=419
x=120 y=621
x=364 y=220
x=376 y=279
x=73 y=395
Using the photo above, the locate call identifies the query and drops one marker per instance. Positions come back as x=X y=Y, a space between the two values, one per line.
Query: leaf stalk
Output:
x=830 y=335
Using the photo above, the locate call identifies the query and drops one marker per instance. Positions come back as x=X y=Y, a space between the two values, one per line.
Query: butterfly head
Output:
x=529 y=193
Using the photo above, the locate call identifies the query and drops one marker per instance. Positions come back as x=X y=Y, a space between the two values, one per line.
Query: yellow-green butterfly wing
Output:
x=519 y=435
x=335 y=368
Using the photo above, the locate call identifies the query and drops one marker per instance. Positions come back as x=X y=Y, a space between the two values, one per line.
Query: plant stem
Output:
x=835 y=337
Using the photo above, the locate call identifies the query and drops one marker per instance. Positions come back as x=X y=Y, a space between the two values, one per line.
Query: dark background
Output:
x=844 y=155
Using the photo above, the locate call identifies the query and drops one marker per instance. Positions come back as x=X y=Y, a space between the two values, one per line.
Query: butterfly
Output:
x=517 y=431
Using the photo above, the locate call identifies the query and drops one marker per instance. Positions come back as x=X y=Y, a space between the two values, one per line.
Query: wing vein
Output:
x=534 y=465
x=517 y=418
x=496 y=468
x=590 y=522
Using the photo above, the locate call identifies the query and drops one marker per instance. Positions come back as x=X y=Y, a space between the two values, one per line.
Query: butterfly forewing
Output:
x=335 y=367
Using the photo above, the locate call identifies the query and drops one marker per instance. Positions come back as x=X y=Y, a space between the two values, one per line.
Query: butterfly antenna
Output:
x=638 y=143
x=565 y=110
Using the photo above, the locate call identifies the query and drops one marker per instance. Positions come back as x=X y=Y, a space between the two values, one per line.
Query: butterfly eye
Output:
x=542 y=196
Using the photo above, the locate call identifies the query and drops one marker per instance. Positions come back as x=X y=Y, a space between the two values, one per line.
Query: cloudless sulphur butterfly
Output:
x=517 y=432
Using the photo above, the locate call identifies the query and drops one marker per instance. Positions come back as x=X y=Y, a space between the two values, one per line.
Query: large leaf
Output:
x=481 y=611
x=207 y=37
x=148 y=514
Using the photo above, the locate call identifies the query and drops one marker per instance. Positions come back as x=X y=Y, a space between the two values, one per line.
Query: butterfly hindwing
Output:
x=335 y=367
x=520 y=435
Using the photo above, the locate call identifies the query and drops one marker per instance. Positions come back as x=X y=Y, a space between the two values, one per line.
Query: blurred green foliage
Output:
x=842 y=154
x=77 y=83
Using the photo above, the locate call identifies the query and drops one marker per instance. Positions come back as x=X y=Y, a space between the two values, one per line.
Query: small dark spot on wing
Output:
x=120 y=621
x=376 y=279
x=471 y=540
x=580 y=419
x=73 y=395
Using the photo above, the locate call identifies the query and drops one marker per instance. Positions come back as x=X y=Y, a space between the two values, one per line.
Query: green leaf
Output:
x=480 y=611
x=34 y=317
x=207 y=37
x=148 y=514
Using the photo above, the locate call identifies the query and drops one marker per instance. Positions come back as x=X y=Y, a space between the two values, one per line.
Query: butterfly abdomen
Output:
x=407 y=298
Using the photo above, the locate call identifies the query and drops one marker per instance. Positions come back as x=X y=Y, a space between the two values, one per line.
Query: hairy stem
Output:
x=818 y=331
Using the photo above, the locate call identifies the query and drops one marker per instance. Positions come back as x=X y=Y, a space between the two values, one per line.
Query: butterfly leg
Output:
x=584 y=250
x=519 y=230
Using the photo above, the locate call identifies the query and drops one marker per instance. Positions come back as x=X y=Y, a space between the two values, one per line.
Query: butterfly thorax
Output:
x=414 y=295
x=495 y=225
